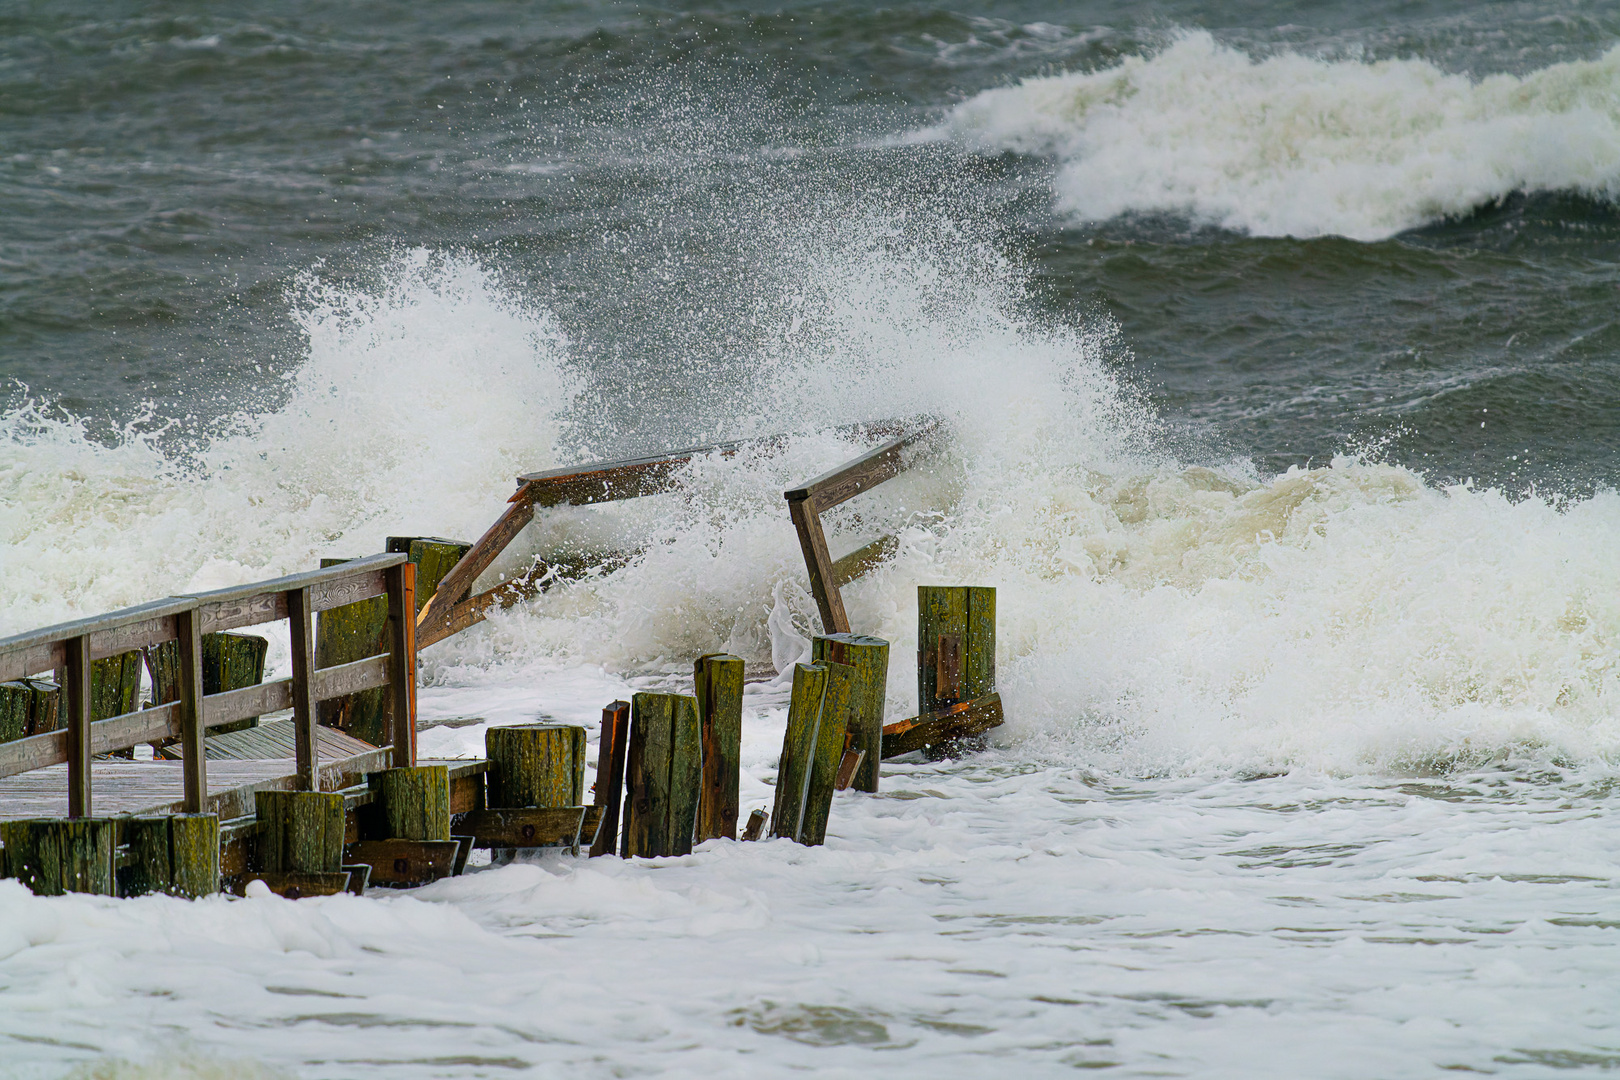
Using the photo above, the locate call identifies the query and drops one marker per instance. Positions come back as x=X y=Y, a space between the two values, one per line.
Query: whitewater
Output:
x=1291 y=144
x=1304 y=774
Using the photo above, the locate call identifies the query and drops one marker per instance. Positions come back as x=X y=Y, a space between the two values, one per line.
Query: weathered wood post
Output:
x=662 y=775
x=718 y=680
x=956 y=672
x=609 y=786
x=812 y=748
x=28 y=707
x=301 y=842
x=956 y=644
x=229 y=662
x=53 y=856
x=115 y=685
x=356 y=631
x=535 y=765
x=176 y=854
x=415 y=802
x=869 y=656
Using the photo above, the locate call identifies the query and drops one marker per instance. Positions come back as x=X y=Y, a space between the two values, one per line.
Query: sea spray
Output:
x=416 y=404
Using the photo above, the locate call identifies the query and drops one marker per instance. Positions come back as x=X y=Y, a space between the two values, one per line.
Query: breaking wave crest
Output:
x=1295 y=145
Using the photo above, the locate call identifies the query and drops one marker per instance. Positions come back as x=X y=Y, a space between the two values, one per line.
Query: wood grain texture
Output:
x=942 y=611
x=513 y=827
x=415 y=802
x=56 y=856
x=869 y=656
x=718 y=681
x=302 y=831
x=828 y=750
x=193 y=855
x=345 y=635
x=818 y=564
x=964 y=720
x=456 y=584
x=798 y=748
x=535 y=765
x=399 y=863
x=402 y=664
x=301 y=632
x=608 y=791
x=76 y=705
x=662 y=775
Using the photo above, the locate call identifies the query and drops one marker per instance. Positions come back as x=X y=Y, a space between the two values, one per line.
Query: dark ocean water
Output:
x=167 y=180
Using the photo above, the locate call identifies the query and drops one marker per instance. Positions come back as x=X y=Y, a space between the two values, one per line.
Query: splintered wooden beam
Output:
x=869 y=656
x=812 y=751
x=609 y=787
x=963 y=720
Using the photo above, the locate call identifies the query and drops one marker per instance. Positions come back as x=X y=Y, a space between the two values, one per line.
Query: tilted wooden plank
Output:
x=862 y=560
x=867 y=471
x=813 y=543
x=960 y=721
x=458 y=582
x=34 y=752
x=42 y=650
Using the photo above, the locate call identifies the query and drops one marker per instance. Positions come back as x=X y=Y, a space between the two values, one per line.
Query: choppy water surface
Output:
x=1278 y=344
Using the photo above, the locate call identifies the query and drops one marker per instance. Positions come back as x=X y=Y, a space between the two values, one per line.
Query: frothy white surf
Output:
x=415 y=406
x=1294 y=145
x=1153 y=615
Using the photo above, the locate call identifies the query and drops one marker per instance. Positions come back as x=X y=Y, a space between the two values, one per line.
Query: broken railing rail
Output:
x=69 y=648
x=453 y=607
x=810 y=500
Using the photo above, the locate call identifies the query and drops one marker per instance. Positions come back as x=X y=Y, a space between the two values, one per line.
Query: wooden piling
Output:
x=812 y=748
x=53 y=856
x=415 y=802
x=229 y=662
x=956 y=645
x=28 y=707
x=115 y=685
x=356 y=631
x=173 y=853
x=662 y=775
x=869 y=656
x=609 y=786
x=535 y=765
x=718 y=680
x=302 y=831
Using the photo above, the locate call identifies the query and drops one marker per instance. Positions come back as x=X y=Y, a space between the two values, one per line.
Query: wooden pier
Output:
x=311 y=809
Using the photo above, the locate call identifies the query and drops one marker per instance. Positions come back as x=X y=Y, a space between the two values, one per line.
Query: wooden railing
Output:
x=69 y=649
x=809 y=501
x=452 y=608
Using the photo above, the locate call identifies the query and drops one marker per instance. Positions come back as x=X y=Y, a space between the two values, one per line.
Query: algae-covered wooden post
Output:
x=609 y=786
x=28 y=707
x=718 y=680
x=812 y=748
x=228 y=662
x=662 y=775
x=115 y=685
x=53 y=856
x=175 y=853
x=415 y=802
x=956 y=644
x=355 y=631
x=869 y=656
x=300 y=831
x=539 y=765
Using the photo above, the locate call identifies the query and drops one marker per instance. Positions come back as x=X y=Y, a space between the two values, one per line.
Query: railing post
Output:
x=813 y=541
x=402 y=660
x=76 y=696
x=195 y=767
x=301 y=624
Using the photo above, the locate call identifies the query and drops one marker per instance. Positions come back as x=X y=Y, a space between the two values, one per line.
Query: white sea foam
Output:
x=1295 y=145
x=1153 y=615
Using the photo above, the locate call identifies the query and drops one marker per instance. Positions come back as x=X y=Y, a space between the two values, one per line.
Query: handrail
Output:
x=808 y=501
x=70 y=647
x=452 y=609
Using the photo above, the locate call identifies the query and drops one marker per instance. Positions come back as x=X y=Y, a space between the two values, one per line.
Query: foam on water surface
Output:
x=1298 y=145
